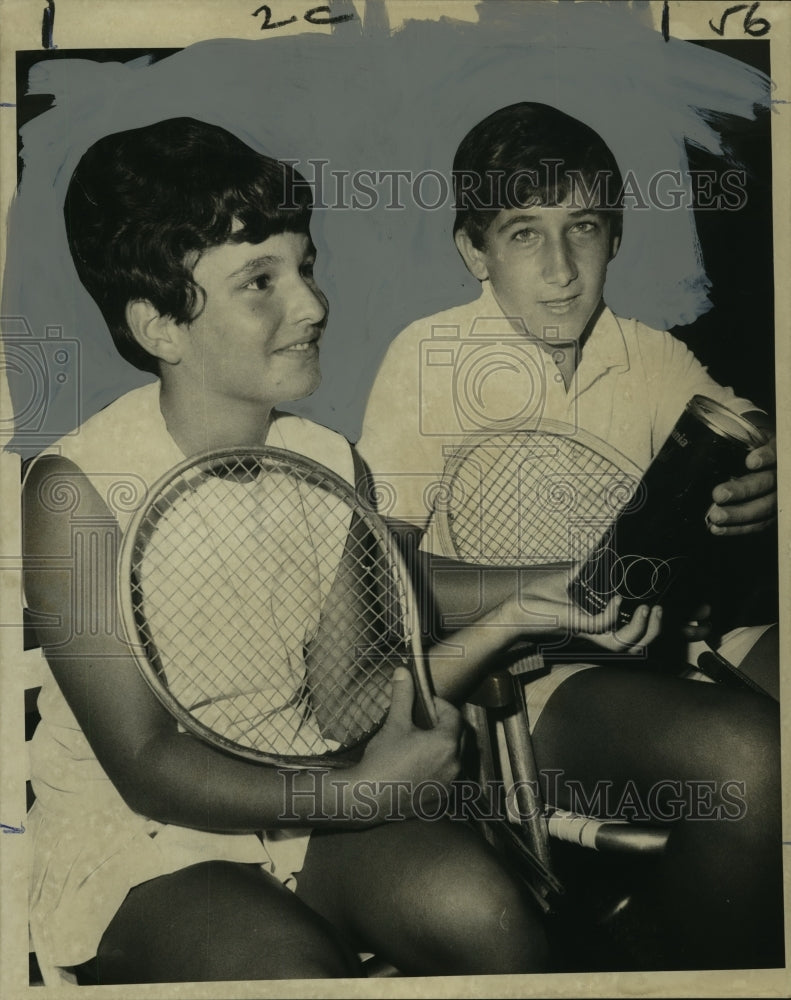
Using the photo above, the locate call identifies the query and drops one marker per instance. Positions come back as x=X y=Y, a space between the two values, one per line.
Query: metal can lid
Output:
x=725 y=422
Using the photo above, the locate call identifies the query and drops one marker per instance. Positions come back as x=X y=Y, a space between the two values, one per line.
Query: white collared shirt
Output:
x=466 y=370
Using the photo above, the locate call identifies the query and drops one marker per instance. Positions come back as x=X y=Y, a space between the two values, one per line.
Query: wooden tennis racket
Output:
x=267 y=607
x=534 y=497
x=544 y=496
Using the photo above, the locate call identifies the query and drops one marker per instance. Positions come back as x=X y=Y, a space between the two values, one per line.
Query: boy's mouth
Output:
x=560 y=305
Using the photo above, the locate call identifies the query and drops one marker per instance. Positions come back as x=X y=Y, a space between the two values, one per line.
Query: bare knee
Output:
x=499 y=926
x=431 y=898
x=219 y=921
x=486 y=922
x=742 y=756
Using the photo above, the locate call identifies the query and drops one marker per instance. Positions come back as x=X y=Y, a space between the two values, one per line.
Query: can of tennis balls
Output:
x=664 y=524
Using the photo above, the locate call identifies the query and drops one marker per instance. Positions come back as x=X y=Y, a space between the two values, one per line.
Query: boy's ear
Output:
x=615 y=242
x=156 y=334
x=474 y=258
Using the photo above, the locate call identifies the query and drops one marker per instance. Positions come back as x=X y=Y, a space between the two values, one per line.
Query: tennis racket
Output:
x=546 y=496
x=267 y=607
x=543 y=496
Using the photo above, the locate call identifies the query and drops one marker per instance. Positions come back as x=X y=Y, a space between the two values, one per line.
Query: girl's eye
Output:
x=259 y=283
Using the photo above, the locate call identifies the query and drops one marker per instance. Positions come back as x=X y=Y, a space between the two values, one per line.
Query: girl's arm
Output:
x=473 y=612
x=163 y=774
x=462 y=662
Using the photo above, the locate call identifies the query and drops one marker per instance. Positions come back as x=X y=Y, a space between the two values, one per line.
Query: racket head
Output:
x=538 y=496
x=266 y=606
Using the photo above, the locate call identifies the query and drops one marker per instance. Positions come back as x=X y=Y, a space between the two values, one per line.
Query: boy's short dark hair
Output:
x=532 y=154
x=143 y=203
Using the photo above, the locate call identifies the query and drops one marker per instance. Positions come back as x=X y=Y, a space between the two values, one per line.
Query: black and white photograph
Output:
x=394 y=540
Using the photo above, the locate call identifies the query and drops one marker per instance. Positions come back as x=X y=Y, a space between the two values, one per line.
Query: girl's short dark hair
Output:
x=532 y=154
x=143 y=205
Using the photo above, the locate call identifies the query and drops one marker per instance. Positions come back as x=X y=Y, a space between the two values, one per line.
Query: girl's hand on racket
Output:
x=401 y=756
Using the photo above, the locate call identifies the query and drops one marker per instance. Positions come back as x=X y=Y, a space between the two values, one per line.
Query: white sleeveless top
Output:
x=89 y=847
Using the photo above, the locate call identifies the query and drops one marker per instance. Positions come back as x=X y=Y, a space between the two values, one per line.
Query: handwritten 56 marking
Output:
x=755 y=26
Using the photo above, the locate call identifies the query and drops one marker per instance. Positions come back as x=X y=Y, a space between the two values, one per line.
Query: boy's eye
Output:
x=307 y=268
x=525 y=235
x=259 y=283
x=585 y=227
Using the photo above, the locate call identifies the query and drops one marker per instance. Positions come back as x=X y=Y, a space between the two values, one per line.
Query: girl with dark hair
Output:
x=157 y=858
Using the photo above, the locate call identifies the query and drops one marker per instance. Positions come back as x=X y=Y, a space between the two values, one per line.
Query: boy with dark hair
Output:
x=531 y=153
x=538 y=221
x=539 y=218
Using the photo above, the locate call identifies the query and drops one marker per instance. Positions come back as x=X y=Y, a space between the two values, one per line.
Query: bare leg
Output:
x=429 y=897
x=718 y=892
x=218 y=921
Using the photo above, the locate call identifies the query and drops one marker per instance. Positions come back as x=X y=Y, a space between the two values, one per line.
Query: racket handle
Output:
x=525 y=771
x=424 y=711
x=604 y=835
x=716 y=667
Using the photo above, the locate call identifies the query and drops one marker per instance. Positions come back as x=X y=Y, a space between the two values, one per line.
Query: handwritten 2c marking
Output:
x=11 y=829
x=321 y=16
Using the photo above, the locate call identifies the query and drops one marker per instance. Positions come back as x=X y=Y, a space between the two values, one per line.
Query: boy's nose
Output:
x=559 y=267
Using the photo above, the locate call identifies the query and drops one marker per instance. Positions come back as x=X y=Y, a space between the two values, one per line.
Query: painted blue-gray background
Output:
x=363 y=97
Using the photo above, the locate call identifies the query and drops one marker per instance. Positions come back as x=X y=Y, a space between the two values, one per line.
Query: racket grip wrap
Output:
x=424 y=712
x=601 y=835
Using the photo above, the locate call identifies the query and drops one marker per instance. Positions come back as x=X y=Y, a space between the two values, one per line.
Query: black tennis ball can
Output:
x=663 y=524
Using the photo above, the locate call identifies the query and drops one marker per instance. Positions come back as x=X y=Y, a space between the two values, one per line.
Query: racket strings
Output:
x=374 y=639
x=269 y=607
x=532 y=498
